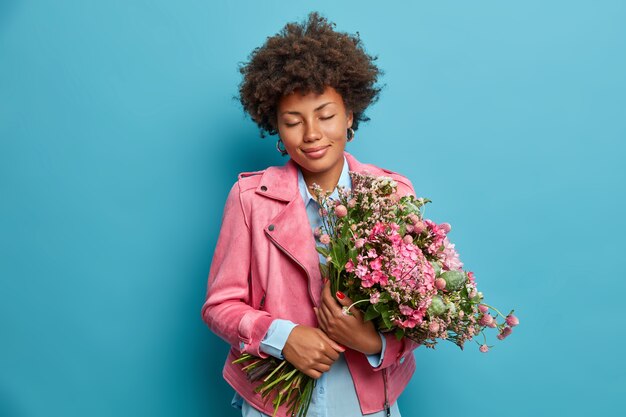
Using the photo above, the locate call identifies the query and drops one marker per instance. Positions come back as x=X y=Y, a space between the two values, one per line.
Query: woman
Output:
x=265 y=295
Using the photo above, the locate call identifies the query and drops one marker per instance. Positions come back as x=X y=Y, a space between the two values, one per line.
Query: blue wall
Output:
x=120 y=137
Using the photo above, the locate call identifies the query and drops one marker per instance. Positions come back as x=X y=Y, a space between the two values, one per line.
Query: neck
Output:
x=327 y=180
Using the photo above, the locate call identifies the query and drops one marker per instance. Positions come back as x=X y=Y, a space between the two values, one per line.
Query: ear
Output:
x=350 y=117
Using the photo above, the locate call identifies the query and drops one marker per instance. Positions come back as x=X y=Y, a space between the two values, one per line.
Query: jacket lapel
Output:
x=290 y=229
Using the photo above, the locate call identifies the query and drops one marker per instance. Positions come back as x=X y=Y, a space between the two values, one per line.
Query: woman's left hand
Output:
x=349 y=330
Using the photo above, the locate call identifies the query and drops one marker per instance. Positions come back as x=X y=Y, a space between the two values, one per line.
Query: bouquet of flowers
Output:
x=399 y=269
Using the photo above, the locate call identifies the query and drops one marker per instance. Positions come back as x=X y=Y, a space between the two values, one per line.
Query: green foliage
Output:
x=454 y=280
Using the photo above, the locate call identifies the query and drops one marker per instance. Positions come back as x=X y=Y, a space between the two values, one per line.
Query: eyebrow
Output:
x=316 y=109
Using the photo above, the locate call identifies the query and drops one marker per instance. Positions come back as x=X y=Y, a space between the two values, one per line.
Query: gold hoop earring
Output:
x=283 y=150
x=350 y=134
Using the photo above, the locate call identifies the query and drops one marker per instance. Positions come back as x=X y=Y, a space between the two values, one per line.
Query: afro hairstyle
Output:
x=307 y=57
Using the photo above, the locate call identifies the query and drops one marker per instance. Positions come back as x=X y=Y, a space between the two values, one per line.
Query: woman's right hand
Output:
x=311 y=351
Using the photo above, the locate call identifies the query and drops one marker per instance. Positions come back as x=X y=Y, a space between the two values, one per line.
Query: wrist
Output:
x=373 y=345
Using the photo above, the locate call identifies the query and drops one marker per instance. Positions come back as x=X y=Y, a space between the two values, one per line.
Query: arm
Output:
x=226 y=309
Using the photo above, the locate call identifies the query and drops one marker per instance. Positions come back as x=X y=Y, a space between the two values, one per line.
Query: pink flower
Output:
x=413 y=218
x=361 y=271
x=485 y=320
x=325 y=239
x=470 y=276
x=352 y=203
x=375 y=297
x=359 y=243
x=376 y=264
x=511 y=320
x=440 y=283
x=484 y=348
x=406 y=310
x=500 y=336
x=483 y=309
x=349 y=266
x=341 y=211
x=433 y=327
x=317 y=232
x=445 y=227
x=407 y=239
x=506 y=331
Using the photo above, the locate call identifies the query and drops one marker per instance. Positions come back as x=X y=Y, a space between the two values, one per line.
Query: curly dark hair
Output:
x=308 y=57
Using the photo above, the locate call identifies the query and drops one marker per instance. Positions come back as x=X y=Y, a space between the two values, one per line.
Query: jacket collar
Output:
x=281 y=182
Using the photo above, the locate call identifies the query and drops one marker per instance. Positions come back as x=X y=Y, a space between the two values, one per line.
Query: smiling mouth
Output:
x=313 y=150
x=316 y=153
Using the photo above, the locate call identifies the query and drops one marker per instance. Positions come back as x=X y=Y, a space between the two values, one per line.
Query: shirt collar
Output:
x=344 y=181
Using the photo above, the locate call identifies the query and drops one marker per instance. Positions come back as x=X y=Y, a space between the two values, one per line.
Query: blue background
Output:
x=120 y=137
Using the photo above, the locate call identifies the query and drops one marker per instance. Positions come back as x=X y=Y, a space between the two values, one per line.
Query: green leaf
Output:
x=399 y=333
x=322 y=250
x=386 y=316
x=371 y=312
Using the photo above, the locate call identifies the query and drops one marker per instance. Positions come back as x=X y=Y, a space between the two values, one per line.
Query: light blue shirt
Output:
x=334 y=393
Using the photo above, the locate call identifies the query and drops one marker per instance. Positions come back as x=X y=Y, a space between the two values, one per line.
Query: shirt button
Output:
x=271 y=227
x=263 y=188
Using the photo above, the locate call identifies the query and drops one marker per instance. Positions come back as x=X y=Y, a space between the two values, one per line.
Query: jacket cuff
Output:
x=276 y=337
x=252 y=327
x=396 y=350
x=376 y=359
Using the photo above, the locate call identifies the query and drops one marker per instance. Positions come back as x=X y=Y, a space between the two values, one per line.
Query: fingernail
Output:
x=342 y=346
x=340 y=295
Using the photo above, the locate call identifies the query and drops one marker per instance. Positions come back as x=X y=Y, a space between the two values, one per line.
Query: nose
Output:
x=312 y=132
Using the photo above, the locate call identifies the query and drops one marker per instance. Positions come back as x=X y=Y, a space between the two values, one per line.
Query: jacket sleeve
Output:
x=227 y=310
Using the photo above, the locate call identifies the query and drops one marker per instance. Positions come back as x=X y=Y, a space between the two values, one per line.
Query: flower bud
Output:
x=485 y=320
x=484 y=348
x=341 y=211
x=483 y=308
x=433 y=327
x=440 y=283
x=325 y=239
x=407 y=239
x=420 y=226
x=511 y=320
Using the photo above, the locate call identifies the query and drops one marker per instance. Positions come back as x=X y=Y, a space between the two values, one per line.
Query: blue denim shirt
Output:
x=334 y=393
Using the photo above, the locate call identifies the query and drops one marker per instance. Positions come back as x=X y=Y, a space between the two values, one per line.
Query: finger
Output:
x=336 y=346
x=330 y=312
x=327 y=297
x=313 y=373
x=345 y=301
x=321 y=319
x=322 y=368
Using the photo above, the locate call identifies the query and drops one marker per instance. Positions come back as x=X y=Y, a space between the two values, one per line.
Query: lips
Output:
x=317 y=152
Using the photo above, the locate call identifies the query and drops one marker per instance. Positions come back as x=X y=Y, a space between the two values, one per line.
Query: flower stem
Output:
x=494 y=309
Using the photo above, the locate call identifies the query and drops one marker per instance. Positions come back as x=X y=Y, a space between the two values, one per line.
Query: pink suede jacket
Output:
x=265 y=267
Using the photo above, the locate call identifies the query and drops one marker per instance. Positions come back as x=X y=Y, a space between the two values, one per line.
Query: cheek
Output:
x=336 y=131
